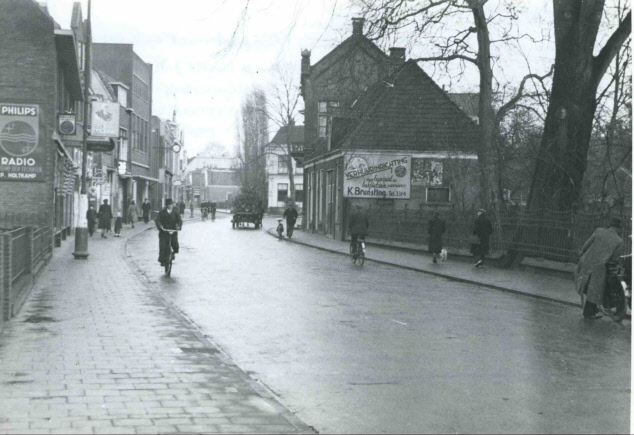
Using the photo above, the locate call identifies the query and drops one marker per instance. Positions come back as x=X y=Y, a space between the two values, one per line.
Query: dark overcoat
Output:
x=436 y=229
x=483 y=229
x=105 y=217
x=604 y=245
x=359 y=223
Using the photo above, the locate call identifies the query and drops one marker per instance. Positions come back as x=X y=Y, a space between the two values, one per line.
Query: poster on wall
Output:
x=22 y=157
x=377 y=176
x=427 y=172
x=105 y=119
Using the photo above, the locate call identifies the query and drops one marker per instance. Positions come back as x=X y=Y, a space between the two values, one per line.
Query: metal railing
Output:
x=546 y=234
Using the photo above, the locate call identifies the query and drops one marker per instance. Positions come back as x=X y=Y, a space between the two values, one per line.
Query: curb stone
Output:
x=260 y=388
x=271 y=232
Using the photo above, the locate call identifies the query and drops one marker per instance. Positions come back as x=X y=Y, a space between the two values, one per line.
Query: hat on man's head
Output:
x=615 y=222
x=482 y=211
x=168 y=201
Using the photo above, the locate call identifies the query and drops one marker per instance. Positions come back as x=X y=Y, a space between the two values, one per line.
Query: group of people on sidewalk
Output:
x=104 y=218
x=359 y=224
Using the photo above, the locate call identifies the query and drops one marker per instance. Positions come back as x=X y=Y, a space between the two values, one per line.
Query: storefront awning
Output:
x=60 y=146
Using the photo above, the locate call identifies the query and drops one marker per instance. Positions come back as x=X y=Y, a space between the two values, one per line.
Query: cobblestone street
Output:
x=94 y=350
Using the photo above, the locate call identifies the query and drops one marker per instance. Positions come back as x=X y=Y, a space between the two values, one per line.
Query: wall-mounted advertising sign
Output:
x=22 y=157
x=105 y=119
x=376 y=176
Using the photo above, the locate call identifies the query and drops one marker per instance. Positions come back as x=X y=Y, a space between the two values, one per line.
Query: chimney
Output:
x=305 y=61
x=397 y=55
x=357 y=26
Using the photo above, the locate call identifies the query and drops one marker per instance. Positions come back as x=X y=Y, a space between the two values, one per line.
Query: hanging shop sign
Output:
x=22 y=157
x=377 y=176
x=100 y=144
x=66 y=124
x=105 y=119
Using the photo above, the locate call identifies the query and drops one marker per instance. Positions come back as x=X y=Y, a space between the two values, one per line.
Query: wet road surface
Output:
x=385 y=350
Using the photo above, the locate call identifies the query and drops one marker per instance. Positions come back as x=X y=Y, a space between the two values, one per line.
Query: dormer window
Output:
x=121 y=92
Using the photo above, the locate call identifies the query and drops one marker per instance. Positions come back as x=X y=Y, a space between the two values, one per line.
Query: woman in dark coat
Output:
x=436 y=229
x=483 y=229
x=105 y=218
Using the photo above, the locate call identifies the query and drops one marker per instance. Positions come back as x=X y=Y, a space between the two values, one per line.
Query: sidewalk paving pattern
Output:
x=541 y=286
x=95 y=350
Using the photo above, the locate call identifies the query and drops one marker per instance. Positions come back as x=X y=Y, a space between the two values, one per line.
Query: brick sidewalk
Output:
x=95 y=350
x=532 y=284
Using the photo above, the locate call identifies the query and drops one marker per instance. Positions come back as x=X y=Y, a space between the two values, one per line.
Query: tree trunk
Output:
x=487 y=117
x=562 y=157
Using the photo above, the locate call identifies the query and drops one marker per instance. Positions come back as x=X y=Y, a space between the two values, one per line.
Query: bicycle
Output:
x=358 y=257
x=170 y=257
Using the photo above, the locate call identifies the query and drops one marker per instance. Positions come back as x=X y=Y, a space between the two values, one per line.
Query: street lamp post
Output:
x=81 y=232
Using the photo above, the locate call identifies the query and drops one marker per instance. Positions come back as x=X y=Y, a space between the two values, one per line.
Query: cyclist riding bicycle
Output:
x=168 y=219
x=358 y=227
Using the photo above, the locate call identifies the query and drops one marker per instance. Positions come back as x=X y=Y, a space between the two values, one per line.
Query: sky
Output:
x=203 y=68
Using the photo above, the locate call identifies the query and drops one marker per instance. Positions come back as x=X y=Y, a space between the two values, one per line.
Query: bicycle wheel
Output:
x=361 y=257
x=168 y=265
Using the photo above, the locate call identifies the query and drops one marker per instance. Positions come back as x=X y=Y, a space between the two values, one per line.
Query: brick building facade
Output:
x=380 y=133
x=40 y=69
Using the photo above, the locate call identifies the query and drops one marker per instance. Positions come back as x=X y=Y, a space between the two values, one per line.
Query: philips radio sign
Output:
x=22 y=157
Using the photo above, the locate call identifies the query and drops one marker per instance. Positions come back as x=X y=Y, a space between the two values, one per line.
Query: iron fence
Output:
x=10 y=220
x=546 y=234
x=20 y=250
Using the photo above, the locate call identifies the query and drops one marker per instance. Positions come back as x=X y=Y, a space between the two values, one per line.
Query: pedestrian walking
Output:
x=483 y=229
x=603 y=246
x=105 y=218
x=118 y=224
x=181 y=208
x=291 y=217
x=145 y=209
x=191 y=209
x=133 y=213
x=436 y=229
x=91 y=216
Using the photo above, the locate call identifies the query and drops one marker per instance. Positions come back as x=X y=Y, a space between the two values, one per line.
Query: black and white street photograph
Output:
x=315 y=216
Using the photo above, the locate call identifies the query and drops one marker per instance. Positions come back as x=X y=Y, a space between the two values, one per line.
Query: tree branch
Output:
x=446 y=58
x=611 y=48
x=520 y=94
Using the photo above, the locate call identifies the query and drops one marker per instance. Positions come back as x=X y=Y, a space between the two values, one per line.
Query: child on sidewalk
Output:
x=118 y=223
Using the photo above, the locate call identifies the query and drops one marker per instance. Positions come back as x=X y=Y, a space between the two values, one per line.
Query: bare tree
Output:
x=458 y=31
x=253 y=137
x=557 y=180
x=282 y=109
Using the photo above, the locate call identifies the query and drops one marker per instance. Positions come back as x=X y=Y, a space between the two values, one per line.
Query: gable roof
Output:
x=408 y=112
x=341 y=50
x=468 y=102
x=296 y=134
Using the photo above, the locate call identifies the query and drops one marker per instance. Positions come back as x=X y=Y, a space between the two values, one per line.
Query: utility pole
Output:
x=81 y=232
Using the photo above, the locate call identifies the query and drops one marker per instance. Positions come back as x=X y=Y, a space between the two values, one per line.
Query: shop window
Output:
x=438 y=194
x=282 y=192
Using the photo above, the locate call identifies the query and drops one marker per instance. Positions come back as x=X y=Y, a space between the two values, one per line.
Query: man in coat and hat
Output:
x=105 y=218
x=168 y=219
x=483 y=229
x=603 y=246
x=291 y=218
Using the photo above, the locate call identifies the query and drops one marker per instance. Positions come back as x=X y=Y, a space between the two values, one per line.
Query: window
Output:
x=123 y=147
x=438 y=194
x=299 y=192
x=282 y=167
x=325 y=109
x=282 y=192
